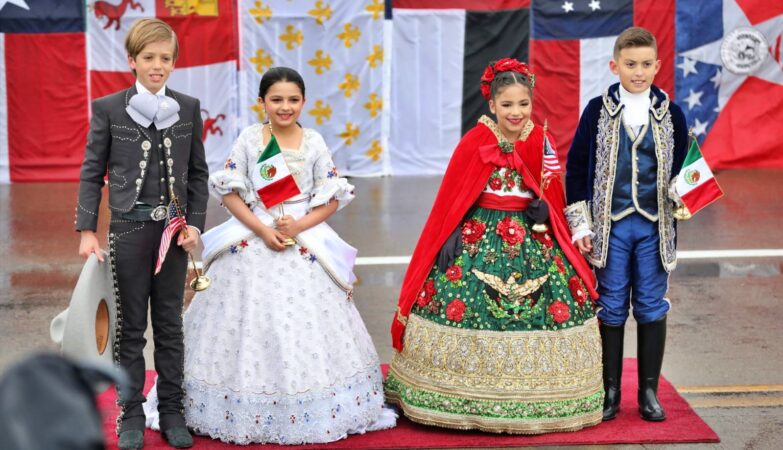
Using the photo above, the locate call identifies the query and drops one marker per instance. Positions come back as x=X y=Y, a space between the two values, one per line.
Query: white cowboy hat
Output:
x=86 y=329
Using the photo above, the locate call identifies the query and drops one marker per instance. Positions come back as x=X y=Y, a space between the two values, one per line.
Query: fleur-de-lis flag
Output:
x=338 y=49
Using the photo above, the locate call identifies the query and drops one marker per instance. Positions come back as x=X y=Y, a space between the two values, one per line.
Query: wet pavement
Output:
x=725 y=327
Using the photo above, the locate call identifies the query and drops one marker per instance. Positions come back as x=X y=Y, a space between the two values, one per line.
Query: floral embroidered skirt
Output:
x=505 y=340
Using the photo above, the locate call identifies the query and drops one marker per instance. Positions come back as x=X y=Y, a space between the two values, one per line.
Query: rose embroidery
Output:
x=426 y=293
x=473 y=231
x=455 y=310
x=454 y=273
x=577 y=290
x=511 y=231
x=559 y=311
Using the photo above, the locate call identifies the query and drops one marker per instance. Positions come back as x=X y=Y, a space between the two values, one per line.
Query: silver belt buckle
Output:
x=159 y=213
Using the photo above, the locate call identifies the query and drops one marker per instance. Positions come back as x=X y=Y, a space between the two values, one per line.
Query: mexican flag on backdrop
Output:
x=696 y=185
x=277 y=183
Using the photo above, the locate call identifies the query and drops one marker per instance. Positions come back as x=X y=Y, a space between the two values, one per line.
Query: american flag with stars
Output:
x=175 y=223
x=551 y=163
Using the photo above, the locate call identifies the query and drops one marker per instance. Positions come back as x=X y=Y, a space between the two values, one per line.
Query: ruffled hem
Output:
x=338 y=189
x=313 y=417
x=224 y=182
x=354 y=407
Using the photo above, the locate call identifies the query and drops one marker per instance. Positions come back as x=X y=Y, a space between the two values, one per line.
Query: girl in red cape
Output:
x=495 y=328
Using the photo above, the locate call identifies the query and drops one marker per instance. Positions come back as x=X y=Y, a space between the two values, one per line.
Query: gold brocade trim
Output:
x=403 y=320
x=501 y=365
x=663 y=134
x=464 y=422
x=578 y=217
x=493 y=126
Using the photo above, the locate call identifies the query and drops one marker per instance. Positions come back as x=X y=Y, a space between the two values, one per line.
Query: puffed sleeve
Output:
x=327 y=185
x=234 y=176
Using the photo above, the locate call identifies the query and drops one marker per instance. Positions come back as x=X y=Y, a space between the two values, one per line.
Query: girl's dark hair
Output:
x=276 y=74
x=507 y=78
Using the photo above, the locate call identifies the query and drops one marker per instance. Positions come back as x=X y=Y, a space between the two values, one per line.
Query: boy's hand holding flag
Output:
x=175 y=223
x=696 y=185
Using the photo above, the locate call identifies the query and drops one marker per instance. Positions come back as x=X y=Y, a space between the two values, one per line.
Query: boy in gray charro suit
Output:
x=148 y=139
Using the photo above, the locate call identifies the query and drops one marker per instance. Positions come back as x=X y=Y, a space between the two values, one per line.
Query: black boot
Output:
x=612 y=345
x=651 y=340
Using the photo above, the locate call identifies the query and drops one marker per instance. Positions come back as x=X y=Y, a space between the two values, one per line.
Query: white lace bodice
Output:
x=311 y=166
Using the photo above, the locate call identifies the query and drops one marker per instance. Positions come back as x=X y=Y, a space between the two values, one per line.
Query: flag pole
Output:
x=288 y=241
x=542 y=227
x=201 y=282
x=681 y=211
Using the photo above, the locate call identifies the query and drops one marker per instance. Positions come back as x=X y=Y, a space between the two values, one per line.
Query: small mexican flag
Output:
x=277 y=183
x=696 y=185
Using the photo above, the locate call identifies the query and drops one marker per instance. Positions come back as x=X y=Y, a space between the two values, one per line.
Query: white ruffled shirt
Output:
x=637 y=108
x=311 y=166
x=142 y=90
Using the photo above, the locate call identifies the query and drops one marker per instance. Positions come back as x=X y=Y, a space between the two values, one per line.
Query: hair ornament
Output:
x=504 y=65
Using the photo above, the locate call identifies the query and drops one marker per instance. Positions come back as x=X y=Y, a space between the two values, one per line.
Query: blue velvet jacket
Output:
x=592 y=167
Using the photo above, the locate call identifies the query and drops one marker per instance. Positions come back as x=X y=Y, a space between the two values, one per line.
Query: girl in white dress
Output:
x=275 y=350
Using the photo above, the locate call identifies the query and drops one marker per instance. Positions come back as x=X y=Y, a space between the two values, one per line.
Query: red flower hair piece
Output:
x=504 y=65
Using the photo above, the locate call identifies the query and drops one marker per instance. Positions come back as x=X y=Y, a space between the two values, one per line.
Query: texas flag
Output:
x=571 y=44
x=43 y=94
x=730 y=79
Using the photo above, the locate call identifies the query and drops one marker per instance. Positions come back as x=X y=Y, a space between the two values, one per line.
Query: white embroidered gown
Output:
x=275 y=350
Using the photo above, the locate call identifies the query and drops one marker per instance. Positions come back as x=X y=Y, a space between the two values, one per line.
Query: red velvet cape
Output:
x=466 y=177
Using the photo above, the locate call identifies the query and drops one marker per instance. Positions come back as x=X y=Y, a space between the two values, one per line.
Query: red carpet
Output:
x=682 y=425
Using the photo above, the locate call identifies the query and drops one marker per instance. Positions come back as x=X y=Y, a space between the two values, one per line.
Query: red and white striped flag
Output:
x=551 y=163
x=175 y=223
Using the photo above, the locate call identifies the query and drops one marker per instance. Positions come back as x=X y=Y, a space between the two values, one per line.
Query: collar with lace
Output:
x=493 y=126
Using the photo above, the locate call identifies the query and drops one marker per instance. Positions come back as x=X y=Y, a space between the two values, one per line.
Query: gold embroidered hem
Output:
x=503 y=381
x=533 y=426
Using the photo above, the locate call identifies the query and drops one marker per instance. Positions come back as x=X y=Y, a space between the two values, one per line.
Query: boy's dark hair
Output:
x=507 y=78
x=634 y=37
x=276 y=74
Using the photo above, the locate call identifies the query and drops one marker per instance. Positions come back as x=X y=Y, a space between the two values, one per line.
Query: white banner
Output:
x=426 y=89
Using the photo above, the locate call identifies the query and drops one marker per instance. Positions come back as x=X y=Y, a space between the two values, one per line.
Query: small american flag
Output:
x=175 y=223
x=551 y=164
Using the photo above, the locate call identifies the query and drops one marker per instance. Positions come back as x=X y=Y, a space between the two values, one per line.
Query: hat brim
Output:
x=87 y=328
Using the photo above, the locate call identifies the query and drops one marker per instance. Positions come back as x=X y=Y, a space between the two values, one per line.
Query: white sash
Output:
x=336 y=256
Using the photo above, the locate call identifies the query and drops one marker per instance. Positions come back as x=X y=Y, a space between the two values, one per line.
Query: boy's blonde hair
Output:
x=634 y=37
x=147 y=31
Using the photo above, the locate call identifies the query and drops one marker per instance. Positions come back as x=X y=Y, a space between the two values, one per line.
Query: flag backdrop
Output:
x=390 y=96
x=338 y=48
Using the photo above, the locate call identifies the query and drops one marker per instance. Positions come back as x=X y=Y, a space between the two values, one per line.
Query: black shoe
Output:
x=612 y=346
x=131 y=440
x=178 y=437
x=651 y=341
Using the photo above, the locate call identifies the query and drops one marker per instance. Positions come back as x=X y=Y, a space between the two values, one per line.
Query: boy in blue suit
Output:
x=626 y=153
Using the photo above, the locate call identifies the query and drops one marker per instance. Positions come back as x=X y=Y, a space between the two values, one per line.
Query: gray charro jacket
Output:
x=116 y=145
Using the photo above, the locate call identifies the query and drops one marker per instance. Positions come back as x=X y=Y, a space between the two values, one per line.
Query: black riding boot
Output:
x=651 y=340
x=612 y=345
